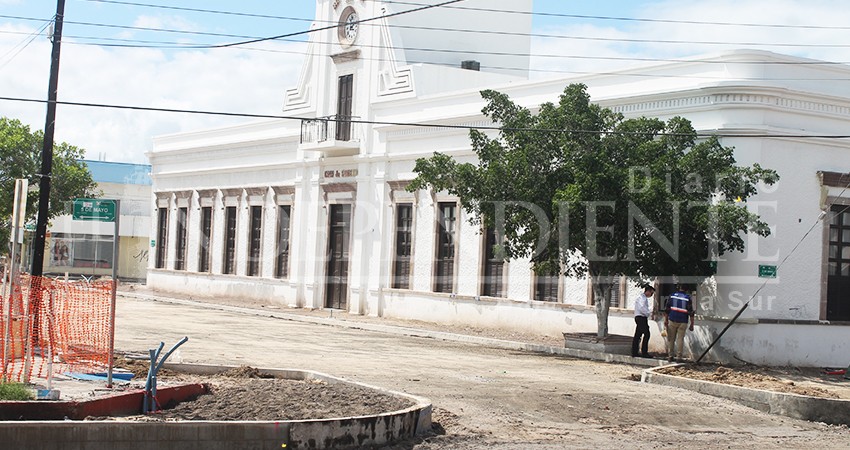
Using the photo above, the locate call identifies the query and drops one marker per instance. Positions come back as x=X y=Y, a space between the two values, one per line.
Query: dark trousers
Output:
x=642 y=329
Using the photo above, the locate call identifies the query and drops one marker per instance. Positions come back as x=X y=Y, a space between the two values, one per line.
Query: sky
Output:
x=96 y=67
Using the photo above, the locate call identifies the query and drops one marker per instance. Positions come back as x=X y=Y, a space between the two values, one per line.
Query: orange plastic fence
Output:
x=66 y=322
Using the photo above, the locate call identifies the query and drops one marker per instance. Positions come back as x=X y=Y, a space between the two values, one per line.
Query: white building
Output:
x=312 y=213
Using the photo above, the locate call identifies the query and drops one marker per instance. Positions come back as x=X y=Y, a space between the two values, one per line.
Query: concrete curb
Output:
x=815 y=409
x=414 y=332
x=337 y=433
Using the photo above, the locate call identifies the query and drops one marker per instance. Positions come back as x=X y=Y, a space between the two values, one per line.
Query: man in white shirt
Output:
x=643 y=309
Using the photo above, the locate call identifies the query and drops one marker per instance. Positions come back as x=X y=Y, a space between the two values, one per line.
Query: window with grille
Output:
x=546 y=286
x=403 y=246
x=180 y=253
x=206 y=233
x=161 y=234
x=255 y=243
x=615 y=299
x=838 y=264
x=229 y=239
x=282 y=263
x=494 y=267
x=445 y=254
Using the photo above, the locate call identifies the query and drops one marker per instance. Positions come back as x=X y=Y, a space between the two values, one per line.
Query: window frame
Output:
x=229 y=236
x=161 y=257
x=181 y=238
x=403 y=281
x=438 y=285
x=205 y=244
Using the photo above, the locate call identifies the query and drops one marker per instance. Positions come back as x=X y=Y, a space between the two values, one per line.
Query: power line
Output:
x=505 y=68
x=211 y=11
x=331 y=27
x=165 y=45
x=513 y=54
x=427 y=125
x=297 y=33
x=542 y=14
x=472 y=31
x=23 y=44
x=141 y=43
x=631 y=19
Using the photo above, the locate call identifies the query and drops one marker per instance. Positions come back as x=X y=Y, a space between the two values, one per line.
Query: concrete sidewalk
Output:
x=344 y=319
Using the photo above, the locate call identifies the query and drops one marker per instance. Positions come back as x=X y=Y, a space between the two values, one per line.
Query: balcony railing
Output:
x=323 y=129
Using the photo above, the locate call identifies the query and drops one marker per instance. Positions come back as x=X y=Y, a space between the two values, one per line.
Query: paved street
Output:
x=483 y=397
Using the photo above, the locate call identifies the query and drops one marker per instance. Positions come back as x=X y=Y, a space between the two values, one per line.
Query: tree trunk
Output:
x=601 y=285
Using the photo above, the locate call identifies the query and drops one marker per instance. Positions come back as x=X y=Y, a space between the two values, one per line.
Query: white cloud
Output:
x=240 y=80
x=810 y=42
x=166 y=22
x=232 y=80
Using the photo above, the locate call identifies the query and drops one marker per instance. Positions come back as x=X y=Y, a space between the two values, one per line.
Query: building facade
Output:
x=84 y=248
x=312 y=211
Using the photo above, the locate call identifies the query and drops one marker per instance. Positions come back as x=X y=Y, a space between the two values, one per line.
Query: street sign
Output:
x=94 y=209
x=767 y=271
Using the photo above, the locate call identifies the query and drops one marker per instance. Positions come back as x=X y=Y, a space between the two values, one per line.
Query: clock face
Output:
x=348 y=26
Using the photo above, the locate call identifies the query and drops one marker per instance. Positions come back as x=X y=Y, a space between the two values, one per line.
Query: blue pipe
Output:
x=154 y=355
x=150 y=385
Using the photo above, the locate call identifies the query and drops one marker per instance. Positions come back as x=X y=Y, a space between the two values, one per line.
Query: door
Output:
x=338 y=242
x=343 y=107
x=838 y=272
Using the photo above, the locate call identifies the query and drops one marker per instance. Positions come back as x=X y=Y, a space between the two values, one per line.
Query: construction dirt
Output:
x=483 y=397
x=790 y=380
x=244 y=393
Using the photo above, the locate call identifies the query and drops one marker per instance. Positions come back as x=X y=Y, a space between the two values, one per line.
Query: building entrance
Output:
x=339 y=236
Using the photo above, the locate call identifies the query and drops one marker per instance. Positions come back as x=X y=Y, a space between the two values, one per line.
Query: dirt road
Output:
x=483 y=398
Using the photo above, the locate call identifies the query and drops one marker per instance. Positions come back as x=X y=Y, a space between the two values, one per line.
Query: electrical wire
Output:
x=539 y=35
x=630 y=19
x=182 y=45
x=484 y=32
x=431 y=125
x=23 y=45
x=140 y=43
x=330 y=27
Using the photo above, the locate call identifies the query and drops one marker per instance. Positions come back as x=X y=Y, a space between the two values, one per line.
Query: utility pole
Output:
x=44 y=180
x=47 y=149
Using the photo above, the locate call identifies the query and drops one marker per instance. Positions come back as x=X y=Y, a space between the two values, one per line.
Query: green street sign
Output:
x=94 y=209
x=767 y=271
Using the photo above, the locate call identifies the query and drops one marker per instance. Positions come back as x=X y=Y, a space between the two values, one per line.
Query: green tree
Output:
x=584 y=192
x=20 y=157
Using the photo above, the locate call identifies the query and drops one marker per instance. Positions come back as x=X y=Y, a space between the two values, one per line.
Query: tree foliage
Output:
x=584 y=192
x=20 y=157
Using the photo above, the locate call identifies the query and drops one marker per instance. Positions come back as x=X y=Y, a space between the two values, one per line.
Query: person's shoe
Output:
x=669 y=359
x=646 y=355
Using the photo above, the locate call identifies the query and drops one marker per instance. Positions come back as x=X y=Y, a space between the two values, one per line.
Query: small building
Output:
x=84 y=248
x=312 y=211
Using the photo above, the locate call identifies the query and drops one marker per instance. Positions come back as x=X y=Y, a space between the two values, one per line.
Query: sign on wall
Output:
x=767 y=271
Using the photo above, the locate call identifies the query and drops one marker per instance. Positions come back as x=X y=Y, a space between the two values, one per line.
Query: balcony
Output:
x=331 y=135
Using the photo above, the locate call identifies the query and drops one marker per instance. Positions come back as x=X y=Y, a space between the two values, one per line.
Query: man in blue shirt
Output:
x=679 y=310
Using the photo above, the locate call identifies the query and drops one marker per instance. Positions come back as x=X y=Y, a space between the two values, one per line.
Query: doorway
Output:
x=339 y=236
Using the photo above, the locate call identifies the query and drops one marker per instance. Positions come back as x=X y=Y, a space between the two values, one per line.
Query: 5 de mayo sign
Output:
x=94 y=209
